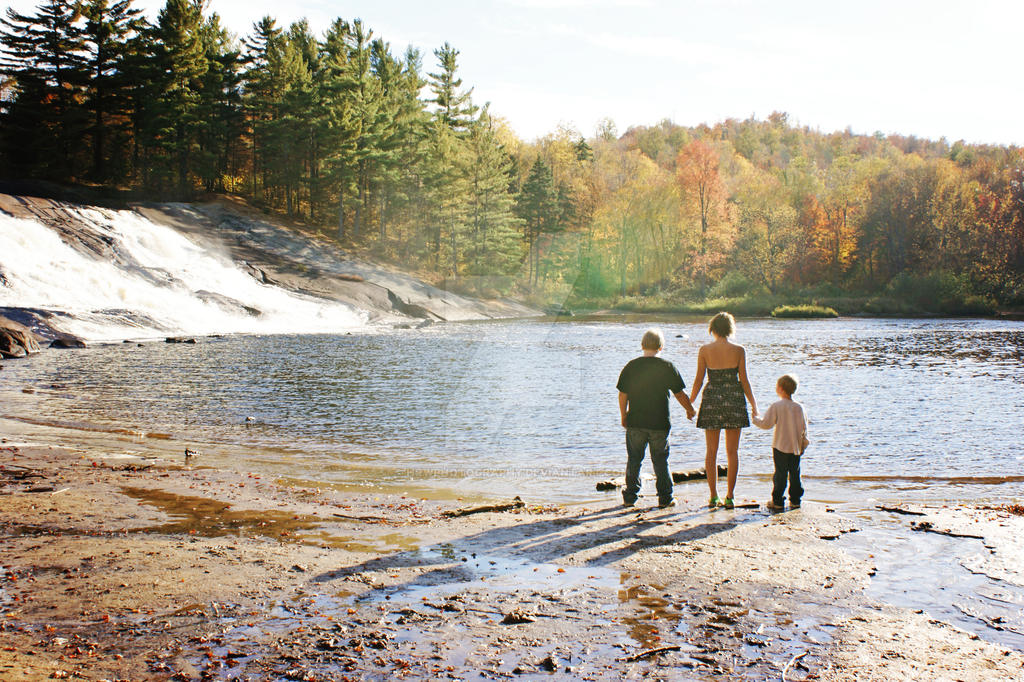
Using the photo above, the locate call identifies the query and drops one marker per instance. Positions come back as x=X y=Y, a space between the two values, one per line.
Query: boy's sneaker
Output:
x=670 y=503
x=794 y=505
x=628 y=504
x=771 y=506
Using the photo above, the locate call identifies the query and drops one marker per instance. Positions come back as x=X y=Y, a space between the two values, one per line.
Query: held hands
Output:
x=690 y=412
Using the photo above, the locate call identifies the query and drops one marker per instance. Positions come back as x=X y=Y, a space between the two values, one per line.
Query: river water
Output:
x=923 y=410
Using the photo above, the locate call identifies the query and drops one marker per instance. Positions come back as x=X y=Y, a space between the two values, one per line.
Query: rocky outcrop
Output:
x=42 y=325
x=308 y=263
x=55 y=214
x=16 y=340
x=227 y=303
x=67 y=341
x=297 y=260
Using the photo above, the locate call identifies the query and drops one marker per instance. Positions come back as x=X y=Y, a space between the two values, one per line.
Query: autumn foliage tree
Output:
x=698 y=177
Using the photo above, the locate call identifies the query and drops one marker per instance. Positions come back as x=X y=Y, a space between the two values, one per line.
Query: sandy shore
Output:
x=126 y=569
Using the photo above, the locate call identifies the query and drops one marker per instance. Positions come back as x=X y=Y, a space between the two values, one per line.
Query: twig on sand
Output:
x=793 y=660
x=374 y=519
x=15 y=472
x=927 y=527
x=900 y=510
x=647 y=653
x=379 y=519
x=515 y=504
x=5 y=467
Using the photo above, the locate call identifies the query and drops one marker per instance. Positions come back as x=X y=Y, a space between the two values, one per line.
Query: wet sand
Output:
x=142 y=570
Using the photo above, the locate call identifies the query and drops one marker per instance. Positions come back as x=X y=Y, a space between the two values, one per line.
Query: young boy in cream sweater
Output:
x=788 y=442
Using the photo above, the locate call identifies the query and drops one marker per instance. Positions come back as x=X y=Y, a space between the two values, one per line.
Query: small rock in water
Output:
x=250 y=419
x=179 y=339
x=611 y=484
x=517 y=617
x=67 y=342
x=190 y=454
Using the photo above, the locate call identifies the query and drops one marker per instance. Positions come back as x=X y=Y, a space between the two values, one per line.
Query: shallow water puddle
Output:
x=926 y=571
x=653 y=618
x=210 y=518
x=497 y=573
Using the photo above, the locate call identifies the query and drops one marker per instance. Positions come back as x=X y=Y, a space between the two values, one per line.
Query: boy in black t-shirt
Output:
x=644 y=385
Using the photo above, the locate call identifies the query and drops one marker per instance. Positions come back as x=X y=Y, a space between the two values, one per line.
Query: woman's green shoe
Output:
x=714 y=502
x=728 y=503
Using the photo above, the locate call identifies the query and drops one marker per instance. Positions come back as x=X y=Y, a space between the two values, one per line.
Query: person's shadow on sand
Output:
x=547 y=540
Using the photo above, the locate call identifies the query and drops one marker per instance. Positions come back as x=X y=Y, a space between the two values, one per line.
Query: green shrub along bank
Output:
x=746 y=306
x=762 y=304
x=804 y=311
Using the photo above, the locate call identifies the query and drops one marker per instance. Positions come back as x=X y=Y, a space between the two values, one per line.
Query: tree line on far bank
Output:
x=379 y=151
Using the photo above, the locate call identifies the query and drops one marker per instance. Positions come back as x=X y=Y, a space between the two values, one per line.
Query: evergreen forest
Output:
x=387 y=152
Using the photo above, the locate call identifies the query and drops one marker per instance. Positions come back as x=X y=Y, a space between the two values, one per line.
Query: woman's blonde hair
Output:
x=722 y=324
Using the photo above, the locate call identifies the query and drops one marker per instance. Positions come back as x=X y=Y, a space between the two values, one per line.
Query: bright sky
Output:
x=936 y=68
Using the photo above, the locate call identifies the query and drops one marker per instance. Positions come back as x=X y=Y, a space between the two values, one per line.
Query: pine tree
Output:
x=45 y=54
x=388 y=72
x=449 y=193
x=584 y=152
x=538 y=207
x=109 y=30
x=219 y=110
x=366 y=97
x=260 y=50
x=141 y=77
x=404 y=147
x=182 y=61
x=340 y=127
x=284 y=151
x=491 y=219
x=448 y=160
x=455 y=109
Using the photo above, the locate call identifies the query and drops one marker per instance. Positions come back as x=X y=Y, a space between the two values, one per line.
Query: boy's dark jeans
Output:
x=786 y=466
x=637 y=440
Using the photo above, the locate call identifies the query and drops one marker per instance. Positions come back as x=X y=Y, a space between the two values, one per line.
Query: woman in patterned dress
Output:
x=723 y=405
